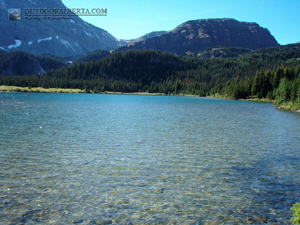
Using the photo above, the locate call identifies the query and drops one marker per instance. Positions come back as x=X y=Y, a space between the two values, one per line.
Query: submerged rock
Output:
x=78 y=221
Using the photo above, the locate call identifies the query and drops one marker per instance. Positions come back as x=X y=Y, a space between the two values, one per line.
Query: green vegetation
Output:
x=23 y=63
x=49 y=62
x=280 y=84
x=271 y=73
x=296 y=214
x=4 y=88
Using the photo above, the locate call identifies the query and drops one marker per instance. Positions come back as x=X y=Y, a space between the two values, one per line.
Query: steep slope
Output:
x=23 y=63
x=198 y=35
x=62 y=37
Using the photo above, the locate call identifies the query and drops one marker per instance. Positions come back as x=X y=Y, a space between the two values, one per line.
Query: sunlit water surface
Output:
x=129 y=159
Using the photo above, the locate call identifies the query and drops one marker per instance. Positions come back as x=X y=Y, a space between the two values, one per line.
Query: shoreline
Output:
x=286 y=106
x=5 y=88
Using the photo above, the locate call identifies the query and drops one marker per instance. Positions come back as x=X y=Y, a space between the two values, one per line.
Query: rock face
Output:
x=222 y=52
x=61 y=37
x=197 y=35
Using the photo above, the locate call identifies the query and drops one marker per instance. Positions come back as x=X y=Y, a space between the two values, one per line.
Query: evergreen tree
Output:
x=256 y=86
x=294 y=91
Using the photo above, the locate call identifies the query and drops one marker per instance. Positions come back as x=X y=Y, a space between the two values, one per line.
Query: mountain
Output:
x=61 y=37
x=24 y=63
x=148 y=35
x=197 y=35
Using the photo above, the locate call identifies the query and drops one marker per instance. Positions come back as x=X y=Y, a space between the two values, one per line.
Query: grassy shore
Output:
x=248 y=99
x=294 y=107
x=290 y=106
x=258 y=100
x=131 y=93
x=4 y=88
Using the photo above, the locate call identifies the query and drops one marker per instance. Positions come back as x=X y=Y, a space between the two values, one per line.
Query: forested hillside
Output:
x=95 y=55
x=18 y=63
x=270 y=73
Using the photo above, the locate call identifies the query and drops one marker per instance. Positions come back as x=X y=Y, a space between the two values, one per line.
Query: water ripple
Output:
x=121 y=159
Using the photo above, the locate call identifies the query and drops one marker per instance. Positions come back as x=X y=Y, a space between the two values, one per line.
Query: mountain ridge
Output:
x=124 y=42
x=197 y=35
x=75 y=37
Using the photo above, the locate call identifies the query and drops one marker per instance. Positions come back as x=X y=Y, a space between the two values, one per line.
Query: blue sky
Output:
x=128 y=19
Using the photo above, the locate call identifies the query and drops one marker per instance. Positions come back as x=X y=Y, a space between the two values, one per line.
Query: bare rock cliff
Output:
x=197 y=35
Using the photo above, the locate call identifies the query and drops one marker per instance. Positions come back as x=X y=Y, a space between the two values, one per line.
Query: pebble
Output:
x=100 y=222
x=78 y=221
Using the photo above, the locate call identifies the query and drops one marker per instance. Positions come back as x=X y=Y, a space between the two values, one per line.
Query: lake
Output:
x=134 y=159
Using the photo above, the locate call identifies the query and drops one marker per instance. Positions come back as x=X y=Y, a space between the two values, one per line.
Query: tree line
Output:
x=281 y=84
x=267 y=73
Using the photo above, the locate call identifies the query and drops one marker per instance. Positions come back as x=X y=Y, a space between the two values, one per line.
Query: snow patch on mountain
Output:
x=16 y=45
x=45 y=39
x=88 y=34
x=3 y=4
x=32 y=2
x=42 y=71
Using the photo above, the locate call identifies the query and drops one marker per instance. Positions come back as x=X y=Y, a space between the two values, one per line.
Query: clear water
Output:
x=128 y=159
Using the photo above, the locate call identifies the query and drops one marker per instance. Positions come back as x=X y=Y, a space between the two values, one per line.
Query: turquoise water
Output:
x=128 y=159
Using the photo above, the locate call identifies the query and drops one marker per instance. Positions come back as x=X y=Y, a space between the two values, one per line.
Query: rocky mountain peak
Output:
x=62 y=37
x=197 y=35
